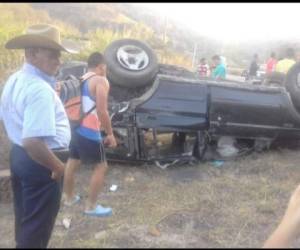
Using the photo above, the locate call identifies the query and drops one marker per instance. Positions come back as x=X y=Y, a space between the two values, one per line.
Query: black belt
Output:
x=61 y=153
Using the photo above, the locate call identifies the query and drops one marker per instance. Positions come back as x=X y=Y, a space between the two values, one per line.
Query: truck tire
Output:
x=292 y=84
x=130 y=63
x=75 y=68
x=200 y=145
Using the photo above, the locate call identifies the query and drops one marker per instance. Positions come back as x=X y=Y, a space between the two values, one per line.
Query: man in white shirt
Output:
x=37 y=125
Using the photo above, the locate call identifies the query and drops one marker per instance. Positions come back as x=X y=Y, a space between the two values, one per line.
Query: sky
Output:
x=235 y=22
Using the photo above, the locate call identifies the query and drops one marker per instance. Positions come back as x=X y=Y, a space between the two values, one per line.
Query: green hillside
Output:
x=95 y=25
x=115 y=20
x=104 y=24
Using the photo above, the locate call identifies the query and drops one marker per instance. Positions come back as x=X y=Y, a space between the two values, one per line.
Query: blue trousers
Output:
x=36 y=200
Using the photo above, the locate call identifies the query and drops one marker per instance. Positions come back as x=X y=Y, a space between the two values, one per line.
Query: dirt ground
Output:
x=236 y=205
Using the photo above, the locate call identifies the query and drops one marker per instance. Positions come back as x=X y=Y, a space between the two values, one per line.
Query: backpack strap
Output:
x=85 y=114
x=87 y=76
x=83 y=79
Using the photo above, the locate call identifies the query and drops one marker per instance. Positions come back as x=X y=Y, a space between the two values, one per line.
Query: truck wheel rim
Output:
x=132 y=57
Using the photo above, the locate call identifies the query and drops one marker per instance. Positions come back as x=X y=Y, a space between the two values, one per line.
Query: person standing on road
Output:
x=219 y=71
x=253 y=67
x=87 y=143
x=203 y=68
x=287 y=62
x=37 y=125
x=224 y=61
x=271 y=63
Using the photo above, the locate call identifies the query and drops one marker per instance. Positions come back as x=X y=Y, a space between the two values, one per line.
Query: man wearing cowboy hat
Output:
x=36 y=123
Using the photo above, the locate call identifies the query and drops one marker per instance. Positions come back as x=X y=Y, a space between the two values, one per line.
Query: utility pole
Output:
x=165 y=38
x=165 y=28
x=194 y=55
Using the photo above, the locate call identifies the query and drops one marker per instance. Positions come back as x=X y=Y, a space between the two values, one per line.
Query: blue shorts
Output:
x=86 y=150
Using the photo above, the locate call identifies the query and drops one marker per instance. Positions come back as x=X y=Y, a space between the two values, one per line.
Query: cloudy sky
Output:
x=237 y=22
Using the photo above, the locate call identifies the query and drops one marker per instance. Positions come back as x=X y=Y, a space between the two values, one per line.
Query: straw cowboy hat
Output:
x=41 y=36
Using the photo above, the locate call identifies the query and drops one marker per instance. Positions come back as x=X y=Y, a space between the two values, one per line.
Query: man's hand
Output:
x=40 y=153
x=110 y=141
x=58 y=173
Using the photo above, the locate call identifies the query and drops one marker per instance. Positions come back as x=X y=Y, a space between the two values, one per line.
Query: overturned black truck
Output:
x=166 y=114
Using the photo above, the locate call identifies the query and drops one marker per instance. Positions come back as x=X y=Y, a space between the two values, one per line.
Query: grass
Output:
x=236 y=206
x=4 y=148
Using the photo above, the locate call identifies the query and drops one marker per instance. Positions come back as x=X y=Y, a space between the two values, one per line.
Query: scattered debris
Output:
x=226 y=147
x=66 y=222
x=100 y=235
x=154 y=231
x=218 y=163
x=129 y=179
x=113 y=188
x=164 y=166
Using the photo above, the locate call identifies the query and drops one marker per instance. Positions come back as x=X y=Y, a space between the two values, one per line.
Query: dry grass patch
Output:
x=237 y=205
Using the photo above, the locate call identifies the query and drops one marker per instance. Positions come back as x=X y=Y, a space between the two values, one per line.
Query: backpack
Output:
x=71 y=97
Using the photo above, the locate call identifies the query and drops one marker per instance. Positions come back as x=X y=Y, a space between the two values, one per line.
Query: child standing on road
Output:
x=203 y=68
